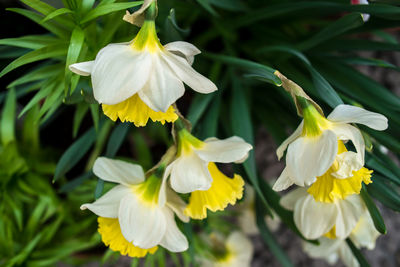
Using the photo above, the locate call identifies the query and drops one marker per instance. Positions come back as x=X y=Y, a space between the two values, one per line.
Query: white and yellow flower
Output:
x=313 y=147
x=236 y=251
x=332 y=204
x=131 y=219
x=363 y=235
x=141 y=79
x=194 y=171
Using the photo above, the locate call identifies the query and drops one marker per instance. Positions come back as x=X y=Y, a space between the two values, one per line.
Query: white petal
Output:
x=289 y=200
x=365 y=233
x=174 y=240
x=347 y=162
x=162 y=197
x=347 y=256
x=326 y=248
x=308 y=158
x=183 y=49
x=353 y=114
x=82 y=68
x=313 y=218
x=284 y=181
x=163 y=87
x=107 y=205
x=190 y=173
x=224 y=151
x=188 y=75
x=142 y=225
x=349 y=210
x=175 y=203
x=348 y=132
x=118 y=171
x=281 y=149
x=119 y=72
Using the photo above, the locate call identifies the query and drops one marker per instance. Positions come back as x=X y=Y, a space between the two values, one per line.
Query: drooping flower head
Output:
x=131 y=219
x=194 y=171
x=312 y=148
x=332 y=205
x=363 y=235
x=235 y=251
x=141 y=79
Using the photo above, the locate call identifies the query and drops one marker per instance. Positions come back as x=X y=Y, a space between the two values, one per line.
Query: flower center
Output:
x=314 y=122
x=149 y=190
x=147 y=39
x=187 y=142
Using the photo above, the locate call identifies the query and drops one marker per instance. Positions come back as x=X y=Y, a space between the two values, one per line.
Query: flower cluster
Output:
x=327 y=205
x=142 y=80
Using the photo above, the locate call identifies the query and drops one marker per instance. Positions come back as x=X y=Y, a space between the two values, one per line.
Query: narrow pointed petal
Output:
x=308 y=158
x=188 y=75
x=82 y=68
x=224 y=151
x=174 y=240
x=189 y=173
x=129 y=71
x=365 y=233
x=349 y=212
x=281 y=149
x=107 y=205
x=162 y=89
x=162 y=197
x=353 y=114
x=284 y=181
x=347 y=132
x=176 y=204
x=184 y=49
x=118 y=171
x=142 y=225
x=313 y=218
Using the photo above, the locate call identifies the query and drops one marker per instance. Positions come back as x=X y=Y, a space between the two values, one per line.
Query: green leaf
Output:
x=74 y=153
x=334 y=29
x=57 y=13
x=30 y=41
x=101 y=10
x=74 y=49
x=357 y=254
x=209 y=125
x=116 y=139
x=373 y=211
x=31 y=129
x=8 y=119
x=39 y=73
x=242 y=127
x=385 y=193
x=80 y=112
x=39 y=54
x=206 y=5
x=44 y=91
x=50 y=26
x=198 y=107
x=268 y=238
x=254 y=70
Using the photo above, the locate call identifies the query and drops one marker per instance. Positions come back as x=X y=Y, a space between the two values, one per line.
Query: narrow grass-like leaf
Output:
x=74 y=49
x=30 y=41
x=385 y=193
x=74 y=153
x=57 y=13
x=7 y=124
x=39 y=54
x=268 y=238
x=357 y=254
x=373 y=211
x=198 y=107
x=116 y=139
x=101 y=10
x=39 y=73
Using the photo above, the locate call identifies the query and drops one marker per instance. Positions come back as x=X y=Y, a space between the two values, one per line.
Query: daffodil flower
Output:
x=141 y=79
x=236 y=251
x=332 y=204
x=194 y=171
x=364 y=235
x=312 y=148
x=131 y=219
